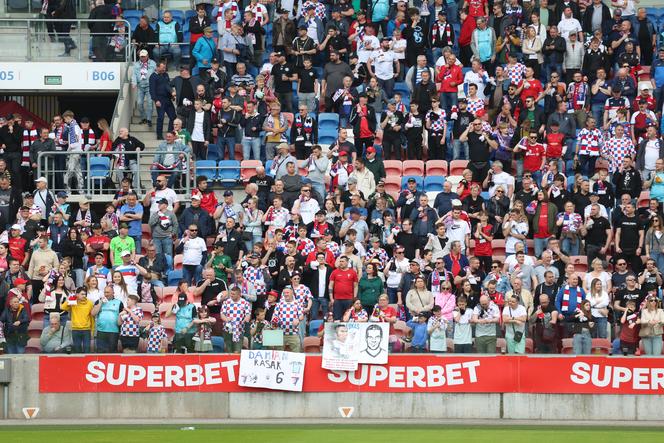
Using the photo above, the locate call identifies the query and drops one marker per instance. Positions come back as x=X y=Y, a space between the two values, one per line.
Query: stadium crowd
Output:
x=550 y=235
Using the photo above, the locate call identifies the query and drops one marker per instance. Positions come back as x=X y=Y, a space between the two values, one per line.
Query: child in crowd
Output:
x=129 y=321
x=463 y=334
x=629 y=331
x=437 y=329
x=203 y=337
x=258 y=325
x=156 y=334
x=81 y=320
x=418 y=334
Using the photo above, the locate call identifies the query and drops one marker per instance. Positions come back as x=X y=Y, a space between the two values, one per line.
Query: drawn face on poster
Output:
x=376 y=342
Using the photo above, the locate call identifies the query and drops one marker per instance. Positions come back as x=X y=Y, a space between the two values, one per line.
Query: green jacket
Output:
x=369 y=289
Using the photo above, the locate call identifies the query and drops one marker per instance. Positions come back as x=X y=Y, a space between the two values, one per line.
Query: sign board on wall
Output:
x=278 y=370
x=403 y=373
x=348 y=344
x=60 y=76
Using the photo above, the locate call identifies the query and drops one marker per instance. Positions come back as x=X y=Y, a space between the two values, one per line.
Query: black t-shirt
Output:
x=234 y=245
x=210 y=293
x=618 y=280
x=409 y=242
x=597 y=232
x=624 y=295
x=551 y=291
x=478 y=147
x=307 y=80
x=462 y=122
x=282 y=86
x=629 y=234
x=264 y=184
x=650 y=283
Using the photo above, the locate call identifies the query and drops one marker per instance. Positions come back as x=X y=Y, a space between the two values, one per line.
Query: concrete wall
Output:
x=24 y=392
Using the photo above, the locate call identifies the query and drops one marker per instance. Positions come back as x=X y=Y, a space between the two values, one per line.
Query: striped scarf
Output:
x=566 y=294
x=29 y=137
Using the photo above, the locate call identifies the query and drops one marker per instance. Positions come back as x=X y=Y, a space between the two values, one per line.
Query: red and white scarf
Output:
x=565 y=303
x=29 y=137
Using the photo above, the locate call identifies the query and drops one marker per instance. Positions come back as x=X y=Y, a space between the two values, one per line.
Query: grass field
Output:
x=327 y=434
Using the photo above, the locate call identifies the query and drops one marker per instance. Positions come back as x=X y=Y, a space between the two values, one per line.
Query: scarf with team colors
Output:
x=566 y=293
x=29 y=137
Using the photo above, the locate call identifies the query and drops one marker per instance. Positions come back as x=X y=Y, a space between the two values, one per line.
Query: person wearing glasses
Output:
x=480 y=144
x=655 y=241
x=630 y=292
x=651 y=278
x=651 y=321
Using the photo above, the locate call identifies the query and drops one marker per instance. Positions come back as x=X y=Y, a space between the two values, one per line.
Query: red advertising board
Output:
x=403 y=373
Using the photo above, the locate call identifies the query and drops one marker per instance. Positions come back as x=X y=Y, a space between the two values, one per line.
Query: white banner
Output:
x=278 y=370
x=60 y=76
x=346 y=345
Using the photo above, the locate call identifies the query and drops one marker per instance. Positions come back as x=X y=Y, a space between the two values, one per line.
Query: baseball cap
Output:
x=196 y=197
x=219 y=244
x=16 y=227
x=228 y=193
x=124 y=226
x=371 y=150
x=354 y=211
x=456 y=202
x=162 y=201
x=412 y=180
x=125 y=253
x=41 y=180
x=20 y=281
x=375 y=239
x=96 y=226
x=143 y=53
x=62 y=194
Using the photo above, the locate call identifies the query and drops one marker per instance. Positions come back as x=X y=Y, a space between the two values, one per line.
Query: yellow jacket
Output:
x=81 y=319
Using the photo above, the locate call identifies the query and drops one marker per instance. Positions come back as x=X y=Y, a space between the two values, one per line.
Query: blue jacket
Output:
x=205 y=49
x=571 y=305
x=136 y=75
x=463 y=262
x=320 y=28
x=420 y=333
x=657 y=72
x=160 y=87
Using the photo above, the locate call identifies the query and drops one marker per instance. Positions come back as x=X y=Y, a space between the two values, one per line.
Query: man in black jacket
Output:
x=195 y=215
x=11 y=137
x=317 y=278
x=554 y=48
x=160 y=92
x=131 y=145
x=628 y=180
x=101 y=30
x=363 y=120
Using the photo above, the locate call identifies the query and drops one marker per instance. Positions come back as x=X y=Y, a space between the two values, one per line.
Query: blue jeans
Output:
x=460 y=150
x=582 y=343
x=391 y=295
x=157 y=283
x=659 y=259
x=452 y=11
x=137 y=243
x=15 y=348
x=600 y=327
x=320 y=189
x=163 y=245
x=597 y=111
x=340 y=307
x=173 y=176
x=540 y=246
x=251 y=146
x=222 y=142
x=448 y=100
x=173 y=50
x=81 y=341
x=570 y=246
x=652 y=345
x=321 y=303
x=191 y=273
x=168 y=109
x=549 y=67
x=144 y=102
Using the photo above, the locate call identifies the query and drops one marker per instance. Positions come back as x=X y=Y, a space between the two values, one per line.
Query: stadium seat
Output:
x=35 y=328
x=401 y=329
x=302 y=168
x=189 y=14
x=167 y=292
x=326 y=139
x=132 y=13
x=393 y=168
x=436 y=167
x=530 y=346
x=313 y=327
x=457 y=167
x=311 y=345
x=248 y=169
x=433 y=183
x=413 y=167
x=37 y=311
x=207 y=168
x=148 y=309
x=393 y=185
x=568 y=347
x=418 y=179
x=580 y=263
x=174 y=277
x=328 y=120
x=177 y=261
x=601 y=346
x=178 y=16
x=498 y=246
x=644 y=199
x=402 y=88
x=100 y=167
x=501 y=345
x=33 y=346
x=163 y=308
x=229 y=172
x=268 y=168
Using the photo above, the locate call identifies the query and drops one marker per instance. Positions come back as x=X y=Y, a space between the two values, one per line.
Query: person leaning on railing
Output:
x=101 y=30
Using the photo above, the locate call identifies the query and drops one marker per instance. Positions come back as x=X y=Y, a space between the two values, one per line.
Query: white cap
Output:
x=42 y=180
x=196 y=196
x=17 y=227
x=143 y=53
x=456 y=202
x=125 y=253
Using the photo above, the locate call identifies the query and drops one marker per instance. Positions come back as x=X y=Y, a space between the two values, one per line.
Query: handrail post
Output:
x=87 y=172
x=80 y=38
x=28 y=54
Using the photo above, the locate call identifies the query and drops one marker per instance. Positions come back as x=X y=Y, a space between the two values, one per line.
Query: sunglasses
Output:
x=494 y=267
x=500 y=191
x=193 y=230
x=621 y=264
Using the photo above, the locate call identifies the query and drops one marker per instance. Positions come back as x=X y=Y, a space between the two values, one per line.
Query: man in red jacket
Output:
x=450 y=77
x=208 y=199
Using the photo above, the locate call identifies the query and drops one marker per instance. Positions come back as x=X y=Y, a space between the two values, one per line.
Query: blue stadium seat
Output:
x=229 y=172
x=402 y=88
x=268 y=166
x=313 y=327
x=433 y=183
x=189 y=14
x=418 y=180
x=174 y=277
x=485 y=195
x=328 y=120
x=100 y=167
x=324 y=139
x=207 y=168
x=137 y=14
x=178 y=16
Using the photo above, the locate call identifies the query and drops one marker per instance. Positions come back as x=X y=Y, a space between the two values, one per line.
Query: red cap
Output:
x=480 y=113
x=371 y=150
x=20 y=281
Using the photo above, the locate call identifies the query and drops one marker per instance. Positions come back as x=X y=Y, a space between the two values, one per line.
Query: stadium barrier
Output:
x=410 y=386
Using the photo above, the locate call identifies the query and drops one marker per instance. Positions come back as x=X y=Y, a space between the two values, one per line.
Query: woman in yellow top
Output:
x=82 y=322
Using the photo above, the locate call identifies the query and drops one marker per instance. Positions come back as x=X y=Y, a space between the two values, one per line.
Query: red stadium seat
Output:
x=146 y=232
x=248 y=169
x=35 y=328
x=498 y=246
x=37 y=311
x=163 y=309
x=601 y=346
x=302 y=168
x=644 y=199
x=457 y=167
x=393 y=185
x=530 y=346
x=568 y=348
x=177 y=261
x=311 y=345
x=401 y=329
x=393 y=168
x=290 y=117
x=167 y=293
x=33 y=346
x=413 y=167
x=501 y=346
x=436 y=167
x=148 y=309
x=580 y=263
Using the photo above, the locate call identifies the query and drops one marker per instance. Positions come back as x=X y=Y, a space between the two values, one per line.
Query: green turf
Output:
x=329 y=434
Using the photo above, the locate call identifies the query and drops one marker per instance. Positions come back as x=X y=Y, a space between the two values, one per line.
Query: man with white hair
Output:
x=443 y=202
x=140 y=83
x=498 y=177
x=365 y=178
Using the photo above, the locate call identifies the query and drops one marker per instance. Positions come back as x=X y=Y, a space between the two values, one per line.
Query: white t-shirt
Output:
x=566 y=26
x=651 y=154
x=363 y=53
x=197 y=133
x=511 y=261
x=193 y=251
x=480 y=79
x=457 y=231
x=519 y=311
x=383 y=64
x=515 y=228
x=399 y=44
x=501 y=179
x=166 y=193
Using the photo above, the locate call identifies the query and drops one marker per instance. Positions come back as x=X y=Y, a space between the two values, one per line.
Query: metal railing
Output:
x=61 y=169
x=40 y=39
